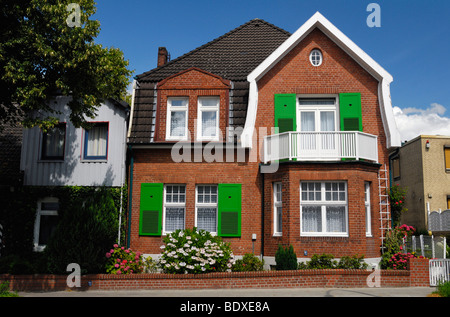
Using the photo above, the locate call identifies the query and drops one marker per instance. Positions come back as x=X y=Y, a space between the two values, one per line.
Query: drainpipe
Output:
x=130 y=195
x=262 y=211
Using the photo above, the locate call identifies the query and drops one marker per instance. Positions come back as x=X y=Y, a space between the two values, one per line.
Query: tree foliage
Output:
x=42 y=54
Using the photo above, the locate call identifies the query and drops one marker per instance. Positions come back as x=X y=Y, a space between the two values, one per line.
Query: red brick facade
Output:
x=339 y=73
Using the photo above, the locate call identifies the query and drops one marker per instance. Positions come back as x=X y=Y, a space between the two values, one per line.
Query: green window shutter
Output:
x=285 y=112
x=350 y=112
x=229 y=210
x=150 y=220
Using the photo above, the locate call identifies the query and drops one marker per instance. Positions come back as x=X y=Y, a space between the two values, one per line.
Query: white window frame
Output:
x=173 y=205
x=206 y=205
x=317 y=109
x=200 y=110
x=171 y=108
x=323 y=203
x=277 y=203
x=37 y=224
x=313 y=52
x=367 y=209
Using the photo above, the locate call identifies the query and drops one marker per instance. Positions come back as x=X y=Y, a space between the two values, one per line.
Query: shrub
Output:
x=84 y=233
x=123 y=261
x=326 y=261
x=443 y=289
x=323 y=261
x=248 y=263
x=354 y=262
x=192 y=251
x=285 y=258
x=4 y=290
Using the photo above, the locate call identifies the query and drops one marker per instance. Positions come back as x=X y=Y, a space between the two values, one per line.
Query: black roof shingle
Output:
x=232 y=56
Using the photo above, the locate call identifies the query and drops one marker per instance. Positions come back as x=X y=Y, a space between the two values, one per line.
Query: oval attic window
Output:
x=316 y=57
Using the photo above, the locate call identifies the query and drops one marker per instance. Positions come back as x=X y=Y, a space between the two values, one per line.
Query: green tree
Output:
x=47 y=47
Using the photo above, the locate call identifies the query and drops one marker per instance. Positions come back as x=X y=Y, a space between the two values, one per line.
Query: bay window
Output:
x=323 y=209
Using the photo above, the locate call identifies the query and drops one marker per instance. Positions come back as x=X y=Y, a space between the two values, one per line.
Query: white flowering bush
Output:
x=192 y=251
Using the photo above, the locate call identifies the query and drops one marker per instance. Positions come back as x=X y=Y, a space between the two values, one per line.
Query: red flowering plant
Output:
x=397 y=197
x=399 y=261
x=123 y=261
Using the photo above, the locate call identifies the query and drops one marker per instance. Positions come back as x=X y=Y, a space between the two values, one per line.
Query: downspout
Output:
x=130 y=195
x=262 y=212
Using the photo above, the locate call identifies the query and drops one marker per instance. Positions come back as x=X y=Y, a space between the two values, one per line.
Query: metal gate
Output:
x=439 y=271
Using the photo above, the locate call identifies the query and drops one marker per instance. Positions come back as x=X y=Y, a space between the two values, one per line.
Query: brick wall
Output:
x=355 y=174
x=416 y=276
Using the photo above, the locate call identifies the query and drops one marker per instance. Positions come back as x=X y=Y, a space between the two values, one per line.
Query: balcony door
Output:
x=317 y=119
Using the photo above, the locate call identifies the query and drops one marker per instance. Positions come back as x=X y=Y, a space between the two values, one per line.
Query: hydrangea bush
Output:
x=195 y=251
x=123 y=261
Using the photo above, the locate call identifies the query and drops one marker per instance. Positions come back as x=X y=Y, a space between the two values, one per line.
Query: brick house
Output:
x=264 y=138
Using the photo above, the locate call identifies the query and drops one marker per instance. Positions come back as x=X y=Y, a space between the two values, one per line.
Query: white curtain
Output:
x=209 y=123
x=174 y=218
x=206 y=218
x=97 y=141
x=178 y=123
x=311 y=219
x=336 y=219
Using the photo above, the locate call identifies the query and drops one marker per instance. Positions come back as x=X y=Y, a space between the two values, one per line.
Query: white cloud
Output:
x=412 y=122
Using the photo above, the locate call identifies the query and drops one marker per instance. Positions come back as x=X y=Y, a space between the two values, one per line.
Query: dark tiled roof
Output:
x=232 y=56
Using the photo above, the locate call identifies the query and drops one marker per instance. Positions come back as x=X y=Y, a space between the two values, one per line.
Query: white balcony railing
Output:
x=321 y=146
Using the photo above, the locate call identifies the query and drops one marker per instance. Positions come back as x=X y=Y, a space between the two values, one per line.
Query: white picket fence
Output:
x=439 y=271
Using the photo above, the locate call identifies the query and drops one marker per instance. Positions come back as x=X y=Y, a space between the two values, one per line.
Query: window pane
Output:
x=96 y=139
x=311 y=219
x=174 y=219
x=327 y=121
x=336 y=219
x=209 y=123
x=209 y=101
x=206 y=219
x=178 y=102
x=207 y=194
x=53 y=143
x=177 y=123
x=307 y=121
x=279 y=212
x=49 y=206
x=46 y=228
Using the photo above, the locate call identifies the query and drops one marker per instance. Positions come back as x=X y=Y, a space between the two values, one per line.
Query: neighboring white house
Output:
x=70 y=156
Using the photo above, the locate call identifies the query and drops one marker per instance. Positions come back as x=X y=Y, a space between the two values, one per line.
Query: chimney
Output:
x=163 y=56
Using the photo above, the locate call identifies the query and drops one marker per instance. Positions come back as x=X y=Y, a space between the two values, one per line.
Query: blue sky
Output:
x=412 y=44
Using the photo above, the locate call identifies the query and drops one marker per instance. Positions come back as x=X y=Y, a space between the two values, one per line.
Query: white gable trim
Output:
x=319 y=21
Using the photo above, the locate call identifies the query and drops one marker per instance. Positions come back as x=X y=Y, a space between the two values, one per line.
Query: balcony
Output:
x=321 y=146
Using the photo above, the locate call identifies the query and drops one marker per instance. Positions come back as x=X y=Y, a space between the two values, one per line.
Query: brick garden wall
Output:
x=415 y=276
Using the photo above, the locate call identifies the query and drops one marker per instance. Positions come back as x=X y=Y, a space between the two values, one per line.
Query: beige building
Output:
x=422 y=166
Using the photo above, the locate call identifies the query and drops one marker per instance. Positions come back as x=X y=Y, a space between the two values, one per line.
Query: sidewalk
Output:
x=236 y=293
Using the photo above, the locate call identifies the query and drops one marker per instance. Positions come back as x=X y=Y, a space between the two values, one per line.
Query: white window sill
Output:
x=324 y=235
